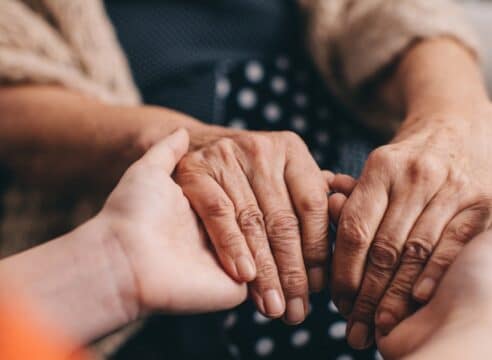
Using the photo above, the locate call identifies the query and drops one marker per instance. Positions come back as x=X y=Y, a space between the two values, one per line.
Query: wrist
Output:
x=118 y=271
x=153 y=123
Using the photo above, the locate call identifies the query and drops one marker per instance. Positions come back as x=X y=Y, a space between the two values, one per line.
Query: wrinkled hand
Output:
x=456 y=314
x=263 y=201
x=168 y=255
x=418 y=201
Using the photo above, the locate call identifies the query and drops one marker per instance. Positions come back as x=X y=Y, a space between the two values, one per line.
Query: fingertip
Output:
x=179 y=142
x=328 y=176
x=385 y=322
x=424 y=289
x=343 y=183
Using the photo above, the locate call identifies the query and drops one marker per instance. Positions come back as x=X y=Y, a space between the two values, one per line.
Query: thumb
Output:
x=167 y=152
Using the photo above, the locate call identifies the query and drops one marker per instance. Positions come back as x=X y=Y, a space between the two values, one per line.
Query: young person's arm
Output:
x=144 y=252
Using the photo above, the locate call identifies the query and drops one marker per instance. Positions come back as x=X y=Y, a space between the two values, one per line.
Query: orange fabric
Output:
x=22 y=338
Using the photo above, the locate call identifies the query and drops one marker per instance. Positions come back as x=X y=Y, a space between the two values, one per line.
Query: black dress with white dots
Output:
x=241 y=64
x=284 y=93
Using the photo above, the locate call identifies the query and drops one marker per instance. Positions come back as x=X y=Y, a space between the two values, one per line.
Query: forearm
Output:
x=79 y=283
x=435 y=76
x=49 y=133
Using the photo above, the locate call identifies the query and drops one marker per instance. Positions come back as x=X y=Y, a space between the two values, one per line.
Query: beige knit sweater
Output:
x=72 y=43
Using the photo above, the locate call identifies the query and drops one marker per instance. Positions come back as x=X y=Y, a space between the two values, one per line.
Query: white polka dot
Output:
x=300 y=338
x=260 y=319
x=300 y=99
x=344 y=357
x=337 y=330
x=282 y=62
x=234 y=351
x=264 y=346
x=254 y=71
x=230 y=320
x=237 y=123
x=272 y=112
x=298 y=123
x=332 y=307
x=323 y=138
x=223 y=87
x=378 y=356
x=247 y=99
x=279 y=85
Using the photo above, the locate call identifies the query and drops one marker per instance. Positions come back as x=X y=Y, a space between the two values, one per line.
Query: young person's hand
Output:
x=144 y=252
x=457 y=322
x=171 y=264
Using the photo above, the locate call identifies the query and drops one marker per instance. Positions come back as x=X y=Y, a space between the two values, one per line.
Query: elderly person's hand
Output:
x=418 y=201
x=456 y=323
x=263 y=201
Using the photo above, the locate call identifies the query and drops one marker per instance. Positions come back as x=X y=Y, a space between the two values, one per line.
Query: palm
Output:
x=466 y=288
x=174 y=268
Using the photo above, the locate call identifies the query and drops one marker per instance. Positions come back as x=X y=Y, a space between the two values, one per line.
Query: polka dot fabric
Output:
x=286 y=94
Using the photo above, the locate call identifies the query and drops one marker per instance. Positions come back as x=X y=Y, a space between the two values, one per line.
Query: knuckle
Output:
x=250 y=220
x=258 y=145
x=423 y=169
x=189 y=169
x=222 y=149
x=417 y=250
x=354 y=233
x=384 y=255
x=266 y=272
x=230 y=243
x=294 y=282
x=218 y=207
x=315 y=253
x=315 y=204
x=401 y=288
x=442 y=260
x=463 y=231
x=365 y=306
x=281 y=225
x=382 y=157
x=291 y=137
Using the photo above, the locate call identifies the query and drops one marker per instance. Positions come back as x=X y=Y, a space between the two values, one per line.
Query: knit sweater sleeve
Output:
x=68 y=43
x=352 y=40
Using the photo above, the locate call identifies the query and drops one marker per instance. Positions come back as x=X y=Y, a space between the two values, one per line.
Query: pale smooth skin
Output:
x=145 y=251
x=420 y=198
x=457 y=322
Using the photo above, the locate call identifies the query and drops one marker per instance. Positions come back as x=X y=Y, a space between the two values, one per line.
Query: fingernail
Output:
x=358 y=337
x=245 y=268
x=386 y=322
x=423 y=291
x=344 y=307
x=273 y=303
x=295 y=312
x=316 y=277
